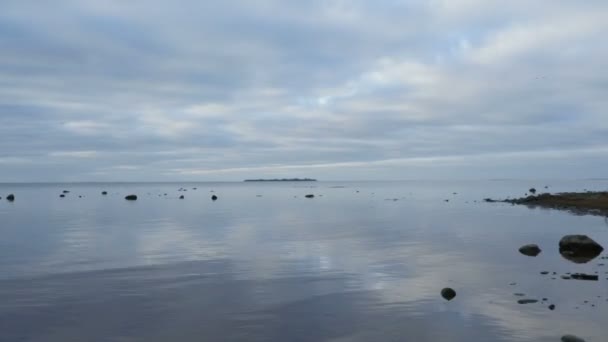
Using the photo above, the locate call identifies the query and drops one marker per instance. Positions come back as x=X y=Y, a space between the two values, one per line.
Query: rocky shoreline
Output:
x=582 y=203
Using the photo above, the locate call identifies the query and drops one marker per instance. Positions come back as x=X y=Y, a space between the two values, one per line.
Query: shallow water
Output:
x=264 y=263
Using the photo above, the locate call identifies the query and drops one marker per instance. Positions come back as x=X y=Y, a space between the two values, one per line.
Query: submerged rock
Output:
x=571 y=338
x=131 y=197
x=579 y=249
x=310 y=196
x=531 y=250
x=448 y=293
x=583 y=276
x=214 y=198
x=10 y=197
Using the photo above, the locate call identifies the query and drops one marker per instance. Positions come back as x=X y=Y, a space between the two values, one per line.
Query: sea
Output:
x=361 y=261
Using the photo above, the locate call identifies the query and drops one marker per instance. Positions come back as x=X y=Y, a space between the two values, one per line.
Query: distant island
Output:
x=282 y=180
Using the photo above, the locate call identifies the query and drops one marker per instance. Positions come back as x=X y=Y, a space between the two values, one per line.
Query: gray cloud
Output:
x=146 y=90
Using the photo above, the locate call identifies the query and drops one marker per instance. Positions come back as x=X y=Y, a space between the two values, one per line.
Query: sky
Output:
x=147 y=90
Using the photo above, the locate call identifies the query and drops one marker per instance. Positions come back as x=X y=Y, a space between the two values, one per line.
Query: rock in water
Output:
x=214 y=198
x=551 y=307
x=579 y=249
x=527 y=301
x=62 y=195
x=10 y=197
x=530 y=250
x=571 y=338
x=181 y=197
x=310 y=196
x=448 y=293
x=104 y=193
x=583 y=276
x=131 y=198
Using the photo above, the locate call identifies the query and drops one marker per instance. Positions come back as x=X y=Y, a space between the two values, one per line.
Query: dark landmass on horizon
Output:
x=282 y=180
x=580 y=203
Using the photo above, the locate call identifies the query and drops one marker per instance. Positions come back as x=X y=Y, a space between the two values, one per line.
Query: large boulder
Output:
x=531 y=250
x=579 y=249
x=131 y=198
x=10 y=197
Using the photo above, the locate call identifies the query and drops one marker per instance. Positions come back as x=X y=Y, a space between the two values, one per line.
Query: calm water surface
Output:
x=360 y=262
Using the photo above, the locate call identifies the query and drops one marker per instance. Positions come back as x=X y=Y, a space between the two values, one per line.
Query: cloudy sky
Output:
x=96 y=90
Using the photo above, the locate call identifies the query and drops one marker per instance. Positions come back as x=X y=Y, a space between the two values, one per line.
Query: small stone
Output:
x=214 y=198
x=181 y=197
x=583 y=276
x=10 y=197
x=310 y=196
x=552 y=307
x=544 y=272
x=531 y=250
x=131 y=198
x=62 y=195
x=104 y=193
x=448 y=293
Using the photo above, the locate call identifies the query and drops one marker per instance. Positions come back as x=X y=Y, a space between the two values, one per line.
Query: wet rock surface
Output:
x=583 y=276
x=448 y=293
x=531 y=250
x=579 y=249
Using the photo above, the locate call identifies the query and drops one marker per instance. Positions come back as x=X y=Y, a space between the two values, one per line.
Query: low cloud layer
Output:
x=149 y=90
